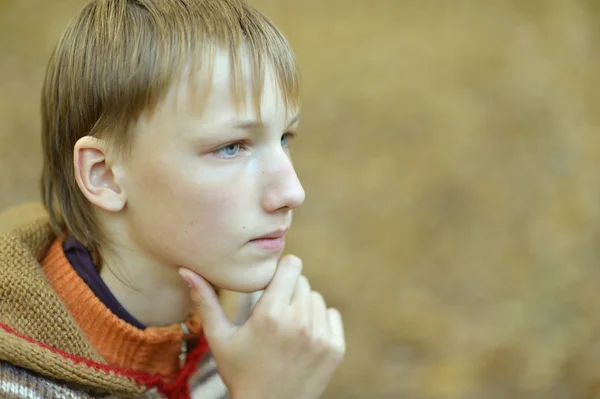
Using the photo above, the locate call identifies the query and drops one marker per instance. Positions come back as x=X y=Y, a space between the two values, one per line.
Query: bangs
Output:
x=150 y=46
x=265 y=48
x=251 y=63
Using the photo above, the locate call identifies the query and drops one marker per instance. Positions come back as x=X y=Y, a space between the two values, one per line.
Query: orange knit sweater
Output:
x=58 y=339
x=153 y=350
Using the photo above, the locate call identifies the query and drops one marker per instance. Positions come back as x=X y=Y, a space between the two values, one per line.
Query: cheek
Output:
x=183 y=209
x=193 y=212
x=209 y=229
x=207 y=214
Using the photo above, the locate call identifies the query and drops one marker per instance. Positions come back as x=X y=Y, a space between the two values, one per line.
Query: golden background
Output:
x=450 y=154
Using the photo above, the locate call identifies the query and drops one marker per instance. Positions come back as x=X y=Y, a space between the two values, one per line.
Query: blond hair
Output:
x=118 y=58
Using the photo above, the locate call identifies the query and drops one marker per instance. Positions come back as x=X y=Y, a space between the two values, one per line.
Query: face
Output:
x=202 y=187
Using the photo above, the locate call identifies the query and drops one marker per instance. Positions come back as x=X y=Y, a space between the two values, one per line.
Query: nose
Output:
x=283 y=190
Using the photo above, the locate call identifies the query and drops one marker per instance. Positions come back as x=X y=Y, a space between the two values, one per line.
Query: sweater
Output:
x=83 y=262
x=58 y=340
x=152 y=350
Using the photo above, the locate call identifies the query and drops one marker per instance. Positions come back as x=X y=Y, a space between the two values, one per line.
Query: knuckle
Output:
x=269 y=321
x=316 y=338
x=320 y=342
x=300 y=323
x=317 y=296
x=304 y=280
x=300 y=327
x=305 y=332
x=333 y=348
x=292 y=261
x=337 y=352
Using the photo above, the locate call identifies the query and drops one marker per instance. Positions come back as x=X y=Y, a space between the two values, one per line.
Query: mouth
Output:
x=272 y=242
x=273 y=235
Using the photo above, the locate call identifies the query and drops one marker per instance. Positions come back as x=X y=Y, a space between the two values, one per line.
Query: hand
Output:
x=290 y=346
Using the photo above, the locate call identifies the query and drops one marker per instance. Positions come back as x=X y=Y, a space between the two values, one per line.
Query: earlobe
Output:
x=95 y=175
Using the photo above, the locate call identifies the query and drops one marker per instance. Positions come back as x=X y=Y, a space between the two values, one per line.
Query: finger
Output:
x=301 y=303
x=215 y=323
x=320 y=324
x=280 y=290
x=336 y=325
x=302 y=293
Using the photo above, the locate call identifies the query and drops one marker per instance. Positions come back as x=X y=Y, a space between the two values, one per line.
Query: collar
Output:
x=152 y=350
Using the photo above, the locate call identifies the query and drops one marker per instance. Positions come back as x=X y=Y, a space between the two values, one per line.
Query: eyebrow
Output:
x=255 y=124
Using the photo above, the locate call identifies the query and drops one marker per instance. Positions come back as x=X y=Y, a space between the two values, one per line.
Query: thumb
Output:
x=217 y=326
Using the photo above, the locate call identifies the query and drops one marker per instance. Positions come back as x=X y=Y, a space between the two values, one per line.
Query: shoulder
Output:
x=21 y=215
x=25 y=229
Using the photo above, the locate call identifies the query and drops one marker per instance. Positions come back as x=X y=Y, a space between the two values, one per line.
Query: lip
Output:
x=271 y=242
x=274 y=234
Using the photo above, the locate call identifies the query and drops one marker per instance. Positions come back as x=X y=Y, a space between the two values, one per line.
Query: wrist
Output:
x=245 y=395
x=245 y=391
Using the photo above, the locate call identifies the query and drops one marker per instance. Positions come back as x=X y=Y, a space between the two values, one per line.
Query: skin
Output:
x=185 y=207
x=289 y=348
x=194 y=192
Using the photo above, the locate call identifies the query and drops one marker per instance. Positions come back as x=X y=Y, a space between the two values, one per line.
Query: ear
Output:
x=96 y=177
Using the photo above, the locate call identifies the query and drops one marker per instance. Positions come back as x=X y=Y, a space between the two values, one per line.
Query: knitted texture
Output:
x=16 y=383
x=28 y=304
x=153 y=350
x=41 y=340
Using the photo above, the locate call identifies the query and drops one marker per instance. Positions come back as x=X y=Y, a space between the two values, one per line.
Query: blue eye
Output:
x=229 y=150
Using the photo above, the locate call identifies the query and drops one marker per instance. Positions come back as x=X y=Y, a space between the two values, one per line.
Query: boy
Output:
x=167 y=175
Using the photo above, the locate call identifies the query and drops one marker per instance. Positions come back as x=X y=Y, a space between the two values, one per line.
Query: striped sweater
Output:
x=49 y=348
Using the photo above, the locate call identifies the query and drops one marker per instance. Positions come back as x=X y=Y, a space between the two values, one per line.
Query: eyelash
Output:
x=243 y=143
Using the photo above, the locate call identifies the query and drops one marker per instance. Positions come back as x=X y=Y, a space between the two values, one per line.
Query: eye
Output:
x=230 y=150
x=286 y=138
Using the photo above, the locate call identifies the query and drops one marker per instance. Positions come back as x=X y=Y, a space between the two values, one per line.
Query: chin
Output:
x=251 y=280
x=243 y=287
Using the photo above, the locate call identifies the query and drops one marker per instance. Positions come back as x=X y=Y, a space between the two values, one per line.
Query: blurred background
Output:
x=450 y=151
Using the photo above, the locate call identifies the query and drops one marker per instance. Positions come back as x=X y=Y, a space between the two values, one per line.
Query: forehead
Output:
x=228 y=91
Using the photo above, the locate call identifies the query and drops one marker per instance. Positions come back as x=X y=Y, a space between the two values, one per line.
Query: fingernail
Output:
x=186 y=276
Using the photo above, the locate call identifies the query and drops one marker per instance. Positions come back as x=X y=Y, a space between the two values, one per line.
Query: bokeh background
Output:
x=451 y=155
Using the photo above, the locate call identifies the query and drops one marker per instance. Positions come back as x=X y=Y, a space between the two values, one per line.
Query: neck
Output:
x=152 y=292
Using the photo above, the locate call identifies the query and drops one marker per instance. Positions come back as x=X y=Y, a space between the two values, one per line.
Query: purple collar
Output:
x=81 y=260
